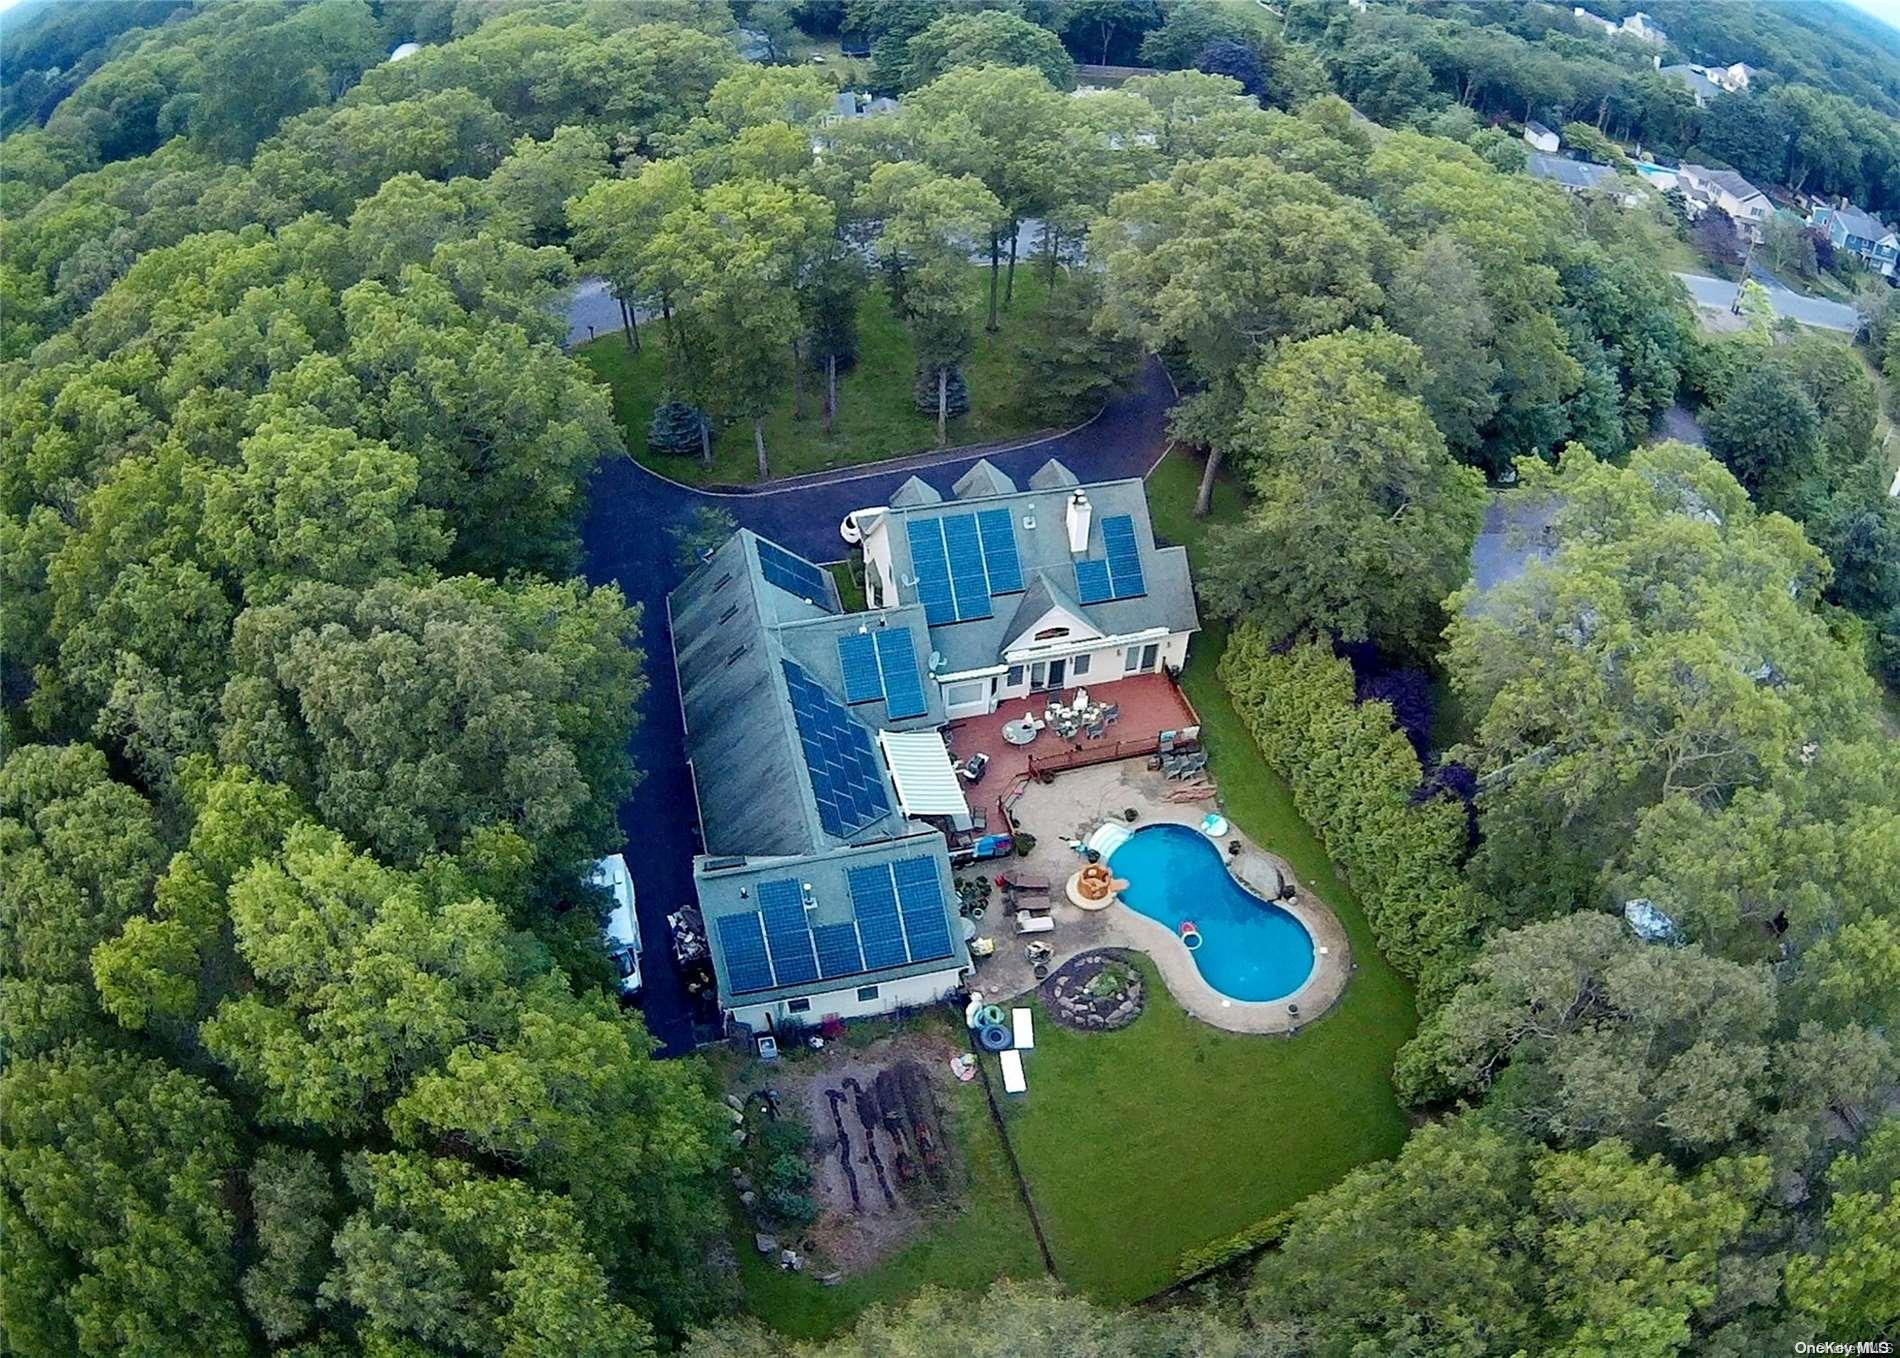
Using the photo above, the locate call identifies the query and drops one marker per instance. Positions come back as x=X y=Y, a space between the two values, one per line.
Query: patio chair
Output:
x=1171 y=765
x=1193 y=764
x=1097 y=730
x=1081 y=698
x=1112 y=714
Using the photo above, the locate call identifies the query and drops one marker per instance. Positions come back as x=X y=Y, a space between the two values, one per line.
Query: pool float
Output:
x=991 y=1016
x=1190 y=935
x=994 y=1037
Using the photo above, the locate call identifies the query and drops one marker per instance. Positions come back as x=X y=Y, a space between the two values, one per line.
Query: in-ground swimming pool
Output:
x=1250 y=949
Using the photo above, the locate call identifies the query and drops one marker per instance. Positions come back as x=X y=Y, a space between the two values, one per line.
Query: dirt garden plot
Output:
x=882 y=1160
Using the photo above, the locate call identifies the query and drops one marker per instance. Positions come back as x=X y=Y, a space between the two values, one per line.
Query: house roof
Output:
x=1858 y=223
x=1537 y=129
x=1693 y=80
x=985 y=478
x=1572 y=174
x=1038 y=524
x=1728 y=181
x=744 y=641
x=731 y=887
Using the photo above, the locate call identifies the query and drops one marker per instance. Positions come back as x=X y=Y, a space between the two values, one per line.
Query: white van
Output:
x=622 y=930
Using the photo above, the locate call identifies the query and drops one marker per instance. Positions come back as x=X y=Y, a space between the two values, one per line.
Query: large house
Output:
x=1032 y=589
x=1705 y=82
x=1706 y=188
x=1860 y=234
x=1639 y=26
x=822 y=781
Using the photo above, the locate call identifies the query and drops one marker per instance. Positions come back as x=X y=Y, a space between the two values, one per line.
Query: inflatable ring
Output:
x=991 y=1016
x=993 y=1037
x=1190 y=935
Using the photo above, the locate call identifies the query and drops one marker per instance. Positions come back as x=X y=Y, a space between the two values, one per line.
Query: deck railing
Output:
x=1096 y=752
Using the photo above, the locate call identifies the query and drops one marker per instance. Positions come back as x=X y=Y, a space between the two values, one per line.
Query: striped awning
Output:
x=927 y=784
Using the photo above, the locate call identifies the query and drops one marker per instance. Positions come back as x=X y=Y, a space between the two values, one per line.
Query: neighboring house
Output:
x=1639 y=26
x=1704 y=188
x=820 y=776
x=1733 y=77
x=1053 y=586
x=1540 y=137
x=1694 y=80
x=1859 y=233
x=1578 y=176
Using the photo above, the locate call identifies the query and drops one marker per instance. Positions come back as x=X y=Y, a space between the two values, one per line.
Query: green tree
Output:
x=1849 y=1284
x=118 y=1235
x=1437 y=299
x=1361 y=522
x=411 y=715
x=986 y=38
x=1227 y=256
x=1069 y=365
x=294 y=1203
x=539 y=179
x=1768 y=432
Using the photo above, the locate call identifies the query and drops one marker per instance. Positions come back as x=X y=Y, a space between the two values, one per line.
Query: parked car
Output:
x=622 y=930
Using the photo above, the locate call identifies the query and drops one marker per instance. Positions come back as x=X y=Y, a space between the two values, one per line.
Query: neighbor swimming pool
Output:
x=1250 y=949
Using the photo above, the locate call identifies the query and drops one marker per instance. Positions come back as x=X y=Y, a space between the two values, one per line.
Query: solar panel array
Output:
x=962 y=561
x=882 y=664
x=898 y=918
x=793 y=574
x=1117 y=574
x=847 y=780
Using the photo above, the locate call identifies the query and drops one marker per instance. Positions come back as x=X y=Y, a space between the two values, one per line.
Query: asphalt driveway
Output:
x=1719 y=295
x=626 y=542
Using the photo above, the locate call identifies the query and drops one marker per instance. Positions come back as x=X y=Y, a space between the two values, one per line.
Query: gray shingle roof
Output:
x=732 y=630
x=730 y=887
x=1858 y=223
x=1052 y=475
x=916 y=491
x=983 y=479
x=1043 y=547
x=1572 y=174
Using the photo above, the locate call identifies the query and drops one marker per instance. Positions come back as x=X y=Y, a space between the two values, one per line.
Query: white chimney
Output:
x=1078 y=522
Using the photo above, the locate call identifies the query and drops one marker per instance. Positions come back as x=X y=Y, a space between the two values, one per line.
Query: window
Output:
x=1015 y=676
x=963 y=695
x=867 y=992
x=1078 y=666
x=1140 y=659
x=798 y=1006
x=1131 y=660
x=1051 y=633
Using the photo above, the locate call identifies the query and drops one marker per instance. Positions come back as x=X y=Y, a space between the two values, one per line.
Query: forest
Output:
x=313 y=725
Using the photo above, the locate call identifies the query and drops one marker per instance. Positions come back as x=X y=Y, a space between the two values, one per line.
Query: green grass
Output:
x=985 y=1237
x=877 y=417
x=850 y=587
x=1143 y=1144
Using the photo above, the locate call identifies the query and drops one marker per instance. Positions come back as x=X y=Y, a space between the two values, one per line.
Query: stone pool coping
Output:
x=1089 y=794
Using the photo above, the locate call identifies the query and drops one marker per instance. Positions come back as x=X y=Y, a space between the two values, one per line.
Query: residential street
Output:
x=1719 y=294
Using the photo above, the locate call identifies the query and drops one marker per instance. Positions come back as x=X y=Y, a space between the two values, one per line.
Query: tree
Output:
x=1099 y=28
x=539 y=179
x=294 y=1202
x=410 y=715
x=1714 y=234
x=703 y=533
x=927 y=224
x=118 y=1236
x=1593 y=145
x=1237 y=61
x=1226 y=257
x=613 y=225
x=986 y=38
x=828 y=297
x=1849 y=1285
x=1070 y=366
x=677 y=427
x=78 y=856
x=1193 y=25
x=1642 y=660
x=1437 y=299
x=1767 y=431
x=1361 y=523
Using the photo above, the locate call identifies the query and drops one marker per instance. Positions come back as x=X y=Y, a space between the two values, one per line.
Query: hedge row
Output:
x=1354 y=776
x=1204 y=1259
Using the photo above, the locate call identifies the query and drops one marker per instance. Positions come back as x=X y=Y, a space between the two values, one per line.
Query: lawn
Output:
x=1143 y=1144
x=987 y=1239
x=877 y=417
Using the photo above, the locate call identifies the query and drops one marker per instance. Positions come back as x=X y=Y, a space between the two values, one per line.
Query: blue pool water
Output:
x=1250 y=949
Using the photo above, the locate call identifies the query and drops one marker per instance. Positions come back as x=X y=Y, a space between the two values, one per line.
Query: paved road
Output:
x=1719 y=294
x=625 y=542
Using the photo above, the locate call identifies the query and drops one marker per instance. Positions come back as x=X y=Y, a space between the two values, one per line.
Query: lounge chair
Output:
x=1021 y=879
x=1034 y=924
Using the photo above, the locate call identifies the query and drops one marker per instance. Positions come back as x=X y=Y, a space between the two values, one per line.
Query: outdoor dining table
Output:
x=1019 y=733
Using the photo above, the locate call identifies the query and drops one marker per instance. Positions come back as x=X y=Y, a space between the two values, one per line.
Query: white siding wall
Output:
x=1105 y=665
x=911 y=990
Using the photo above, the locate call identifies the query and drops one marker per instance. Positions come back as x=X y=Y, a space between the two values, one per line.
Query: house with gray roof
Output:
x=1860 y=233
x=1693 y=79
x=1578 y=176
x=1704 y=187
x=810 y=735
x=1046 y=586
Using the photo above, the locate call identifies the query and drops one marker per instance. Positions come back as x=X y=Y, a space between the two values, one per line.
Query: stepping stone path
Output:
x=1066 y=993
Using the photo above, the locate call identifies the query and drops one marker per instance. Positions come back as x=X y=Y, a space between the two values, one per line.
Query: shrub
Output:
x=675 y=428
x=1355 y=779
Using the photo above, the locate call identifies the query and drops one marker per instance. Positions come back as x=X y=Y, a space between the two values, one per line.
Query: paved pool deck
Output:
x=1071 y=808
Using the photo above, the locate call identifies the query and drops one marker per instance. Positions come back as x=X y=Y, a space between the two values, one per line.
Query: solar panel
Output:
x=969 y=582
x=782 y=908
x=838 y=952
x=742 y=938
x=999 y=550
x=858 y=657
x=928 y=558
x=875 y=901
x=1124 y=556
x=920 y=902
x=793 y=574
x=847 y=780
x=1091 y=582
x=903 y=686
